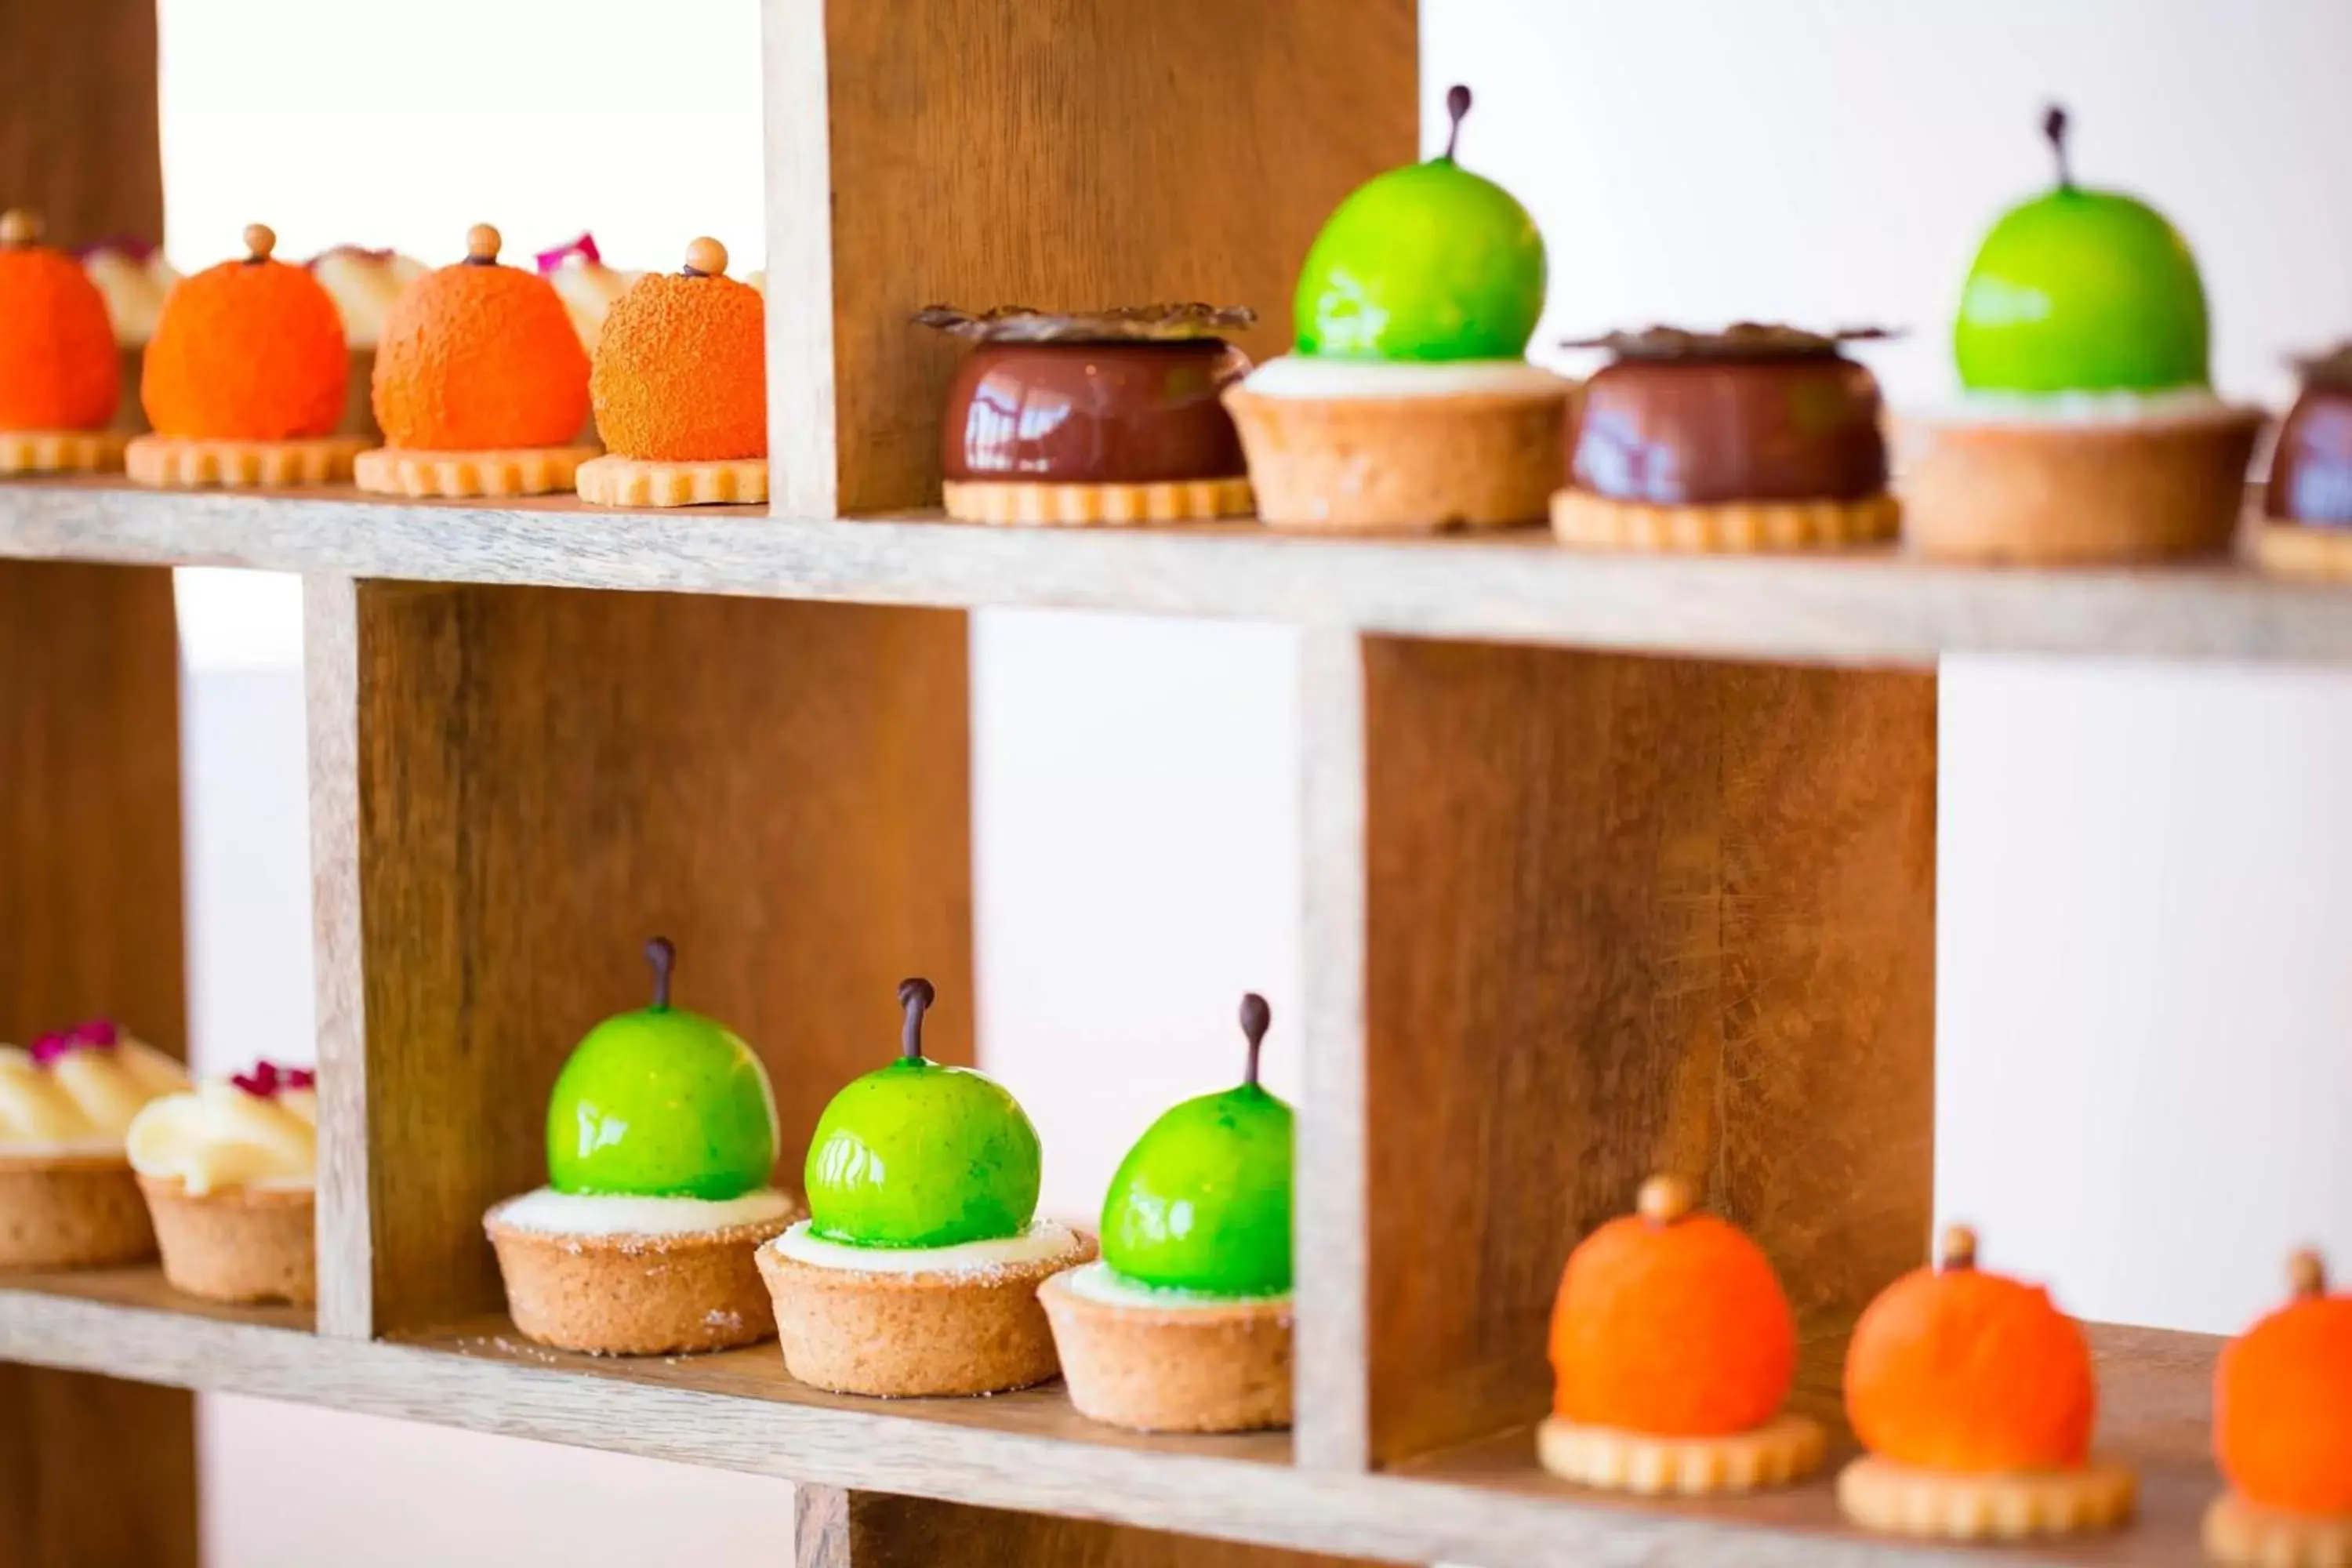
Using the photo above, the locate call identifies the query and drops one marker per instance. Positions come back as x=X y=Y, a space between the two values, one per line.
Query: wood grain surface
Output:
x=1630 y=915
x=887 y=1531
x=78 y=117
x=544 y=781
x=338 y=958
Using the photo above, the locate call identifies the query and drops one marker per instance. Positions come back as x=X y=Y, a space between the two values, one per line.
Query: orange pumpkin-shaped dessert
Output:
x=60 y=374
x=1974 y=1395
x=680 y=390
x=1673 y=1348
x=244 y=380
x=481 y=386
x=2283 y=1432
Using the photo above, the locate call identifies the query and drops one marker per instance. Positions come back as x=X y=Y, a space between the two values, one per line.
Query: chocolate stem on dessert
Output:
x=482 y=246
x=1256 y=1018
x=1663 y=1199
x=260 y=240
x=915 y=995
x=19 y=225
x=663 y=956
x=704 y=257
x=1960 y=1248
x=2306 y=1275
x=1457 y=104
x=2054 y=126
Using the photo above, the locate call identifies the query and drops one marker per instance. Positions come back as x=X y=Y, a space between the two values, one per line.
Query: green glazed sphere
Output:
x=917 y=1155
x=661 y=1103
x=1203 y=1201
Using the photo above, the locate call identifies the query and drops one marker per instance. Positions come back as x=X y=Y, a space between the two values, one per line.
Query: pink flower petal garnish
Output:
x=48 y=1048
x=584 y=248
x=98 y=1034
x=266 y=1080
x=302 y=1077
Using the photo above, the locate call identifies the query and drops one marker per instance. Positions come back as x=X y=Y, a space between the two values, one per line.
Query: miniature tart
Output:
x=365 y=284
x=1974 y=1396
x=227 y=1169
x=1758 y=438
x=68 y=1197
x=2307 y=506
x=244 y=379
x=2283 y=1432
x=680 y=391
x=480 y=385
x=60 y=376
x=1109 y=417
x=1673 y=1349
x=133 y=279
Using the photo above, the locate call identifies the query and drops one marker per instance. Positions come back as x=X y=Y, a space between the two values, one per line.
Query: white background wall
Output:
x=2146 y=871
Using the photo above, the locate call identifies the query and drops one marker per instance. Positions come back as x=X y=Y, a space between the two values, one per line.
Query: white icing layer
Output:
x=134 y=288
x=217 y=1135
x=1101 y=1282
x=552 y=1213
x=589 y=290
x=1309 y=376
x=1042 y=1240
x=365 y=284
x=80 y=1102
x=2175 y=404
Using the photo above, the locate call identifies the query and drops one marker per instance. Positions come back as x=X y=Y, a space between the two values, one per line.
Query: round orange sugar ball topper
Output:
x=2282 y=1431
x=244 y=380
x=680 y=390
x=1673 y=1348
x=481 y=386
x=60 y=374
x=1973 y=1394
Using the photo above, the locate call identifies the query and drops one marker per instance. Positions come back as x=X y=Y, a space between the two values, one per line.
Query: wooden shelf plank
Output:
x=1482 y=1503
x=1869 y=607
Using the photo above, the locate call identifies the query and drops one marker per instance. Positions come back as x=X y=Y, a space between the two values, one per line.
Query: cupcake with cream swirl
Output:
x=68 y=1199
x=228 y=1170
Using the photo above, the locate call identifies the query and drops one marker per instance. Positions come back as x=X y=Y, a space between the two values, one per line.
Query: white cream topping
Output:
x=217 y=1136
x=81 y=1103
x=552 y=1213
x=2184 y=403
x=364 y=284
x=1310 y=375
x=1101 y=1282
x=1044 y=1240
x=133 y=288
x=589 y=290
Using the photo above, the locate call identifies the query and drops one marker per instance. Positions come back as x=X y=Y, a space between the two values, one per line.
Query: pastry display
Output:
x=2088 y=430
x=244 y=379
x=481 y=386
x=661 y=1142
x=1673 y=1351
x=68 y=1197
x=228 y=1169
x=1409 y=403
x=1185 y=1324
x=2283 y=1432
x=917 y=1270
x=1109 y=417
x=133 y=279
x=1758 y=437
x=1974 y=1396
x=2307 y=506
x=60 y=375
x=680 y=391
x=364 y=284
x=588 y=288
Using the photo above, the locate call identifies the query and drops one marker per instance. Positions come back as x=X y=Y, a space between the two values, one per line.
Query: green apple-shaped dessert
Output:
x=1426 y=262
x=2082 y=291
x=661 y=1102
x=916 y=1154
x=1202 y=1203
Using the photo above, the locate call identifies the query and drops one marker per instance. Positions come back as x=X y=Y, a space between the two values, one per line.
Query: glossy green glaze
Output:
x=916 y=1154
x=1203 y=1201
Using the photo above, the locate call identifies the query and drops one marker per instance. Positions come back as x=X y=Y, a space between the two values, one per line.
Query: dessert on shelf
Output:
x=1973 y=1396
x=60 y=375
x=1409 y=404
x=133 y=278
x=2283 y=1432
x=917 y=1270
x=661 y=1145
x=680 y=390
x=588 y=289
x=68 y=1197
x=244 y=379
x=1757 y=437
x=1673 y=1351
x=2087 y=429
x=481 y=386
x=2306 y=528
x=1185 y=1324
x=228 y=1170
x=365 y=284
x=1108 y=416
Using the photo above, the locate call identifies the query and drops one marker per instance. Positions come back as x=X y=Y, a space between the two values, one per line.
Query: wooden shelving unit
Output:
x=1610 y=863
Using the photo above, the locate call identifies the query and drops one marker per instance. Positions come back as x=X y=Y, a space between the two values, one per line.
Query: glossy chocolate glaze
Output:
x=1092 y=413
x=2311 y=468
x=1700 y=426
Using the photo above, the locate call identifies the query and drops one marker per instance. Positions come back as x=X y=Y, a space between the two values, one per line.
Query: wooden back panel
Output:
x=835 y=1529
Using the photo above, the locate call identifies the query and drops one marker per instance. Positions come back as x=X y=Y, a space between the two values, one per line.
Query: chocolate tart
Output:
x=1757 y=437
x=1111 y=417
x=2307 y=506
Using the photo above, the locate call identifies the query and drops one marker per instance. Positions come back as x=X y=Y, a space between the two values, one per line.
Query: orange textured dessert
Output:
x=1974 y=1395
x=480 y=384
x=59 y=374
x=1673 y=1348
x=680 y=390
x=2282 y=1431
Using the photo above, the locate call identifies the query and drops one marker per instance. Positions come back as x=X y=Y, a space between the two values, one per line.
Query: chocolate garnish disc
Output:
x=1741 y=339
x=1188 y=322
